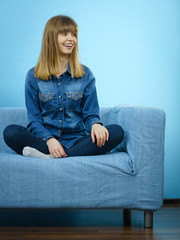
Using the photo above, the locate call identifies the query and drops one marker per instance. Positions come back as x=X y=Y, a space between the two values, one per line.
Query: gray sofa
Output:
x=130 y=177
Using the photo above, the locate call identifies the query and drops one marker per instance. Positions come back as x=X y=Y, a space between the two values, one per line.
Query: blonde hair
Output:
x=49 y=59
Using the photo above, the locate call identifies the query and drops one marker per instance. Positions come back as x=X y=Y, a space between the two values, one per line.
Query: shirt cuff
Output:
x=93 y=122
x=45 y=138
x=97 y=123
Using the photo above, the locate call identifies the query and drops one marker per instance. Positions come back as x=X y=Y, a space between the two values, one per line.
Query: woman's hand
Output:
x=55 y=148
x=99 y=133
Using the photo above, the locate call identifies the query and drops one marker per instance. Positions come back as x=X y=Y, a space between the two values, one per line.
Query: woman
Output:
x=61 y=102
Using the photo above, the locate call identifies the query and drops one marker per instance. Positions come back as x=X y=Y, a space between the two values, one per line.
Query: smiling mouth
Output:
x=68 y=45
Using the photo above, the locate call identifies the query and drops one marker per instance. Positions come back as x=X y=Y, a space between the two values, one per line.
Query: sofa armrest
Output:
x=144 y=134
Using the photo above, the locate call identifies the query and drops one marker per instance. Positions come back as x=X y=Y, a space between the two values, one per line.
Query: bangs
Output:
x=68 y=25
x=70 y=28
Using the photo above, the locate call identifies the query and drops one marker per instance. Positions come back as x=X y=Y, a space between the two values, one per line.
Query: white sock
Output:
x=32 y=152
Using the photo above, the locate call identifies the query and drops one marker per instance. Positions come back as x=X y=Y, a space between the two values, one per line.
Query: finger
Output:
x=92 y=137
x=107 y=135
x=102 y=138
x=65 y=155
x=62 y=152
x=54 y=155
x=53 y=152
x=58 y=153
x=98 y=138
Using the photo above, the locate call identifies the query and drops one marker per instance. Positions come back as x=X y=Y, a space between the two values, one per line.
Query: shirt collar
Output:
x=69 y=69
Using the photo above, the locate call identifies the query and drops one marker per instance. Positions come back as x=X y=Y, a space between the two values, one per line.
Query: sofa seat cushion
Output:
x=67 y=182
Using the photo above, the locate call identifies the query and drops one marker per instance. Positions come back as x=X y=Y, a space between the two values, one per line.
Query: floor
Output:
x=101 y=224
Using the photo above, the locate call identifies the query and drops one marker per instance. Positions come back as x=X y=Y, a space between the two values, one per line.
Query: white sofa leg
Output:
x=148 y=219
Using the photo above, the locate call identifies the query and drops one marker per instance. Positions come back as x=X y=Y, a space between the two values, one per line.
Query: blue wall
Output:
x=132 y=47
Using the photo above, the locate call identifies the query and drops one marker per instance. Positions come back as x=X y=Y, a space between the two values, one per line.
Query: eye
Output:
x=63 y=34
x=73 y=34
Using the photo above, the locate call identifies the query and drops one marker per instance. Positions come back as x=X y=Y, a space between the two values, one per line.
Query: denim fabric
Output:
x=17 y=137
x=64 y=107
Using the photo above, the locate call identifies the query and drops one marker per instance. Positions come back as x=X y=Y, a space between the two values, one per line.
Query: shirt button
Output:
x=59 y=83
x=60 y=121
x=59 y=131
x=60 y=109
x=59 y=96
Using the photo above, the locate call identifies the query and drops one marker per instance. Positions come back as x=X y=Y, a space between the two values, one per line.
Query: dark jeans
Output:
x=18 y=137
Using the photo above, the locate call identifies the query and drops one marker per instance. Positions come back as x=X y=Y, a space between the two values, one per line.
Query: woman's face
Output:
x=66 y=42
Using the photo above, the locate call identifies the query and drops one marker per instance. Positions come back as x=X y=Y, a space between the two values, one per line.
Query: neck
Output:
x=64 y=61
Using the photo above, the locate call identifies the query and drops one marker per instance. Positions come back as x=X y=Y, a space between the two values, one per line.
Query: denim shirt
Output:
x=64 y=108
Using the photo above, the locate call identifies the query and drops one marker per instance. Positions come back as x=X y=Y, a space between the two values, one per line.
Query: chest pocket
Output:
x=74 y=100
x=47 y=102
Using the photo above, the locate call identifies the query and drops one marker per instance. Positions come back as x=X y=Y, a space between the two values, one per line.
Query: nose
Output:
x=70 y=37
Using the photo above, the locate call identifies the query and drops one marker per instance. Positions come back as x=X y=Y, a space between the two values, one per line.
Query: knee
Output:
x=10 y=132
x=118 y=132
x=7 y=132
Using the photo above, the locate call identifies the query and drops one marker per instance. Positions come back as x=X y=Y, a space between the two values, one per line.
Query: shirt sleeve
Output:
x=90 y=108
x=35 y=123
